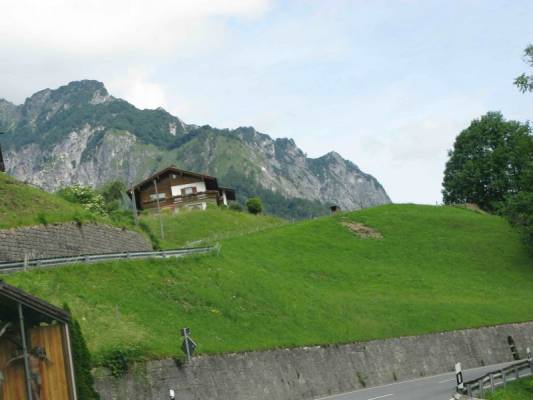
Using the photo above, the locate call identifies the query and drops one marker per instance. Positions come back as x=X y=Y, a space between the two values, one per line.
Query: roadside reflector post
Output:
x=459 y=377
x=172 y=395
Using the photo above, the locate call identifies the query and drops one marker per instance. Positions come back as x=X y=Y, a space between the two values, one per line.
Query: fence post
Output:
x=504 y=378
x=530 y=359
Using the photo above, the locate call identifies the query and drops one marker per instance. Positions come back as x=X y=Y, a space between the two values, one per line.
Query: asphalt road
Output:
x=438 y=387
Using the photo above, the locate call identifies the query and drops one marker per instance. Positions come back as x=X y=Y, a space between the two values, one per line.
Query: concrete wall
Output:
x=312 y=372
x=68 y=239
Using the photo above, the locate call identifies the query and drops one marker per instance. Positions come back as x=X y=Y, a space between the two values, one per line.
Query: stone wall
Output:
x=313 y=372
x=68 y=239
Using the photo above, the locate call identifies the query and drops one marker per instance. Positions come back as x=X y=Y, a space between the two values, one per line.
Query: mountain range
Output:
x=79 y=133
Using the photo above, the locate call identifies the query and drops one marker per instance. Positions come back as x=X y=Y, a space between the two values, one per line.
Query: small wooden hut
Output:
x=35 y=351
x=334 y=209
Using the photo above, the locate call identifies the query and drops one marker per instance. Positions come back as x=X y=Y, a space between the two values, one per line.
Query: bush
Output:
x=84 y=195
x=254 y=205
x=118 y=360
x=235 y=206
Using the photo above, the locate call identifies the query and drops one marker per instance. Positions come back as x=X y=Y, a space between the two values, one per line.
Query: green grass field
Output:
x=21 y=205
x=519 y=390
x=203 y=227
x=313 y=282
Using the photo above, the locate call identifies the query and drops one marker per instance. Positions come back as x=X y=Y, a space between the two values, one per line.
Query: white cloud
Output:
x=96 y=27
x=135 y=87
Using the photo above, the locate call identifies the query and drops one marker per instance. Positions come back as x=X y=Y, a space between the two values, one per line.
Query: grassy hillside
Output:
x=519 y=390
x=313 y=282
x=21 y=204
x=203 y=227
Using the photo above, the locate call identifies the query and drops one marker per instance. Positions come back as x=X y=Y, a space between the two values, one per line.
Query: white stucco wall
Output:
x=176 y=190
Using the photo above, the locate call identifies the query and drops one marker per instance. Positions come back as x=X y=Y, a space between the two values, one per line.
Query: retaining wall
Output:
x=312 y=372
x=68 y=239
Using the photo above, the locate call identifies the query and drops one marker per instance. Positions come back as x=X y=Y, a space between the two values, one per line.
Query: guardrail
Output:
x=9 y=266
x=492 y=380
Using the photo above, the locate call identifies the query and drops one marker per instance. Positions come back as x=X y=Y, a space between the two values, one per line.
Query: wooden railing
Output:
x=194 y=197
x=182 y=199
x=490 y=381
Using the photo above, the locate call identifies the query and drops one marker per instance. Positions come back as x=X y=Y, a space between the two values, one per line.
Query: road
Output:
x=437 y=387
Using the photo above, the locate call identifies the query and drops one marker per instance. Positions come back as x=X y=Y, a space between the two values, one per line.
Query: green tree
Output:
x=82 y=362
x=519 y=208
x=254 y=205
x=524 y=81
x=487 y=162
x=84 y=195
x=113 y=193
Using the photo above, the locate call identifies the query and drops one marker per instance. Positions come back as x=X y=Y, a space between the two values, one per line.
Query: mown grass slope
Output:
x=21 y=204
x=519 y=390
x=202 y=227
x=313 y=282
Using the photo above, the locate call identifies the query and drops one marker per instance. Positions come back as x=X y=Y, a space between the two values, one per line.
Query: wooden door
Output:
x=55 y=383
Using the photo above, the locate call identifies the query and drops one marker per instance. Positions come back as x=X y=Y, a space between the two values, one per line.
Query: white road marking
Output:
x=380 y=397
x=415 y=380
x=449 y=380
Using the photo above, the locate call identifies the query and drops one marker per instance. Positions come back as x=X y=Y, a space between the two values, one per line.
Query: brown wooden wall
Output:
x=54 y=374
x=14 y=387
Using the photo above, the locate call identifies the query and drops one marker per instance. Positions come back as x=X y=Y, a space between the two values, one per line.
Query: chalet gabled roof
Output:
x=35 y=309
x=176 y=170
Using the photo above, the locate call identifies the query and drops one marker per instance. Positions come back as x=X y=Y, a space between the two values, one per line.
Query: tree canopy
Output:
x=488 y=161
x=524 y=81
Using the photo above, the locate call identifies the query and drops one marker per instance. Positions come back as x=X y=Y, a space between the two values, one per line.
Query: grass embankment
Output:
x=313 y=282
x=519 y=390
x=22 y=205
x=191 y=228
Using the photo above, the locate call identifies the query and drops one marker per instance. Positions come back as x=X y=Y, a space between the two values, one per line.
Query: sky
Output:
x=388 y=84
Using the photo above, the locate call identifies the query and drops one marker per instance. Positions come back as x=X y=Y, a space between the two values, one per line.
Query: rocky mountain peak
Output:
x=78 y=133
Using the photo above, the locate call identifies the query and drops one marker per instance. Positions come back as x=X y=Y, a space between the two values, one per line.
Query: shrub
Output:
x=82 y=362
x=235 y=206
x=118 y=360
x=254 y=205
x=84 y=195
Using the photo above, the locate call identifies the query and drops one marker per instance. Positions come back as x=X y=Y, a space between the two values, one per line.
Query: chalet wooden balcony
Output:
x=183 y=200
x=209 y=195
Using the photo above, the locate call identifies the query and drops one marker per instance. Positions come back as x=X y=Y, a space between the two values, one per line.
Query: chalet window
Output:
x=188 y=190
x=154 y=196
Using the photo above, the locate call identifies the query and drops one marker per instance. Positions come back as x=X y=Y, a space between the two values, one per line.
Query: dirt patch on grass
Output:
x=363 y=231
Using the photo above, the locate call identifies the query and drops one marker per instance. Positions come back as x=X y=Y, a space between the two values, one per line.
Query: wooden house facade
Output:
x=173 y=188
x=35 y=352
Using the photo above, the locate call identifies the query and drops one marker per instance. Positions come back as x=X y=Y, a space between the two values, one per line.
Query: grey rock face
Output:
x=80 y=134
